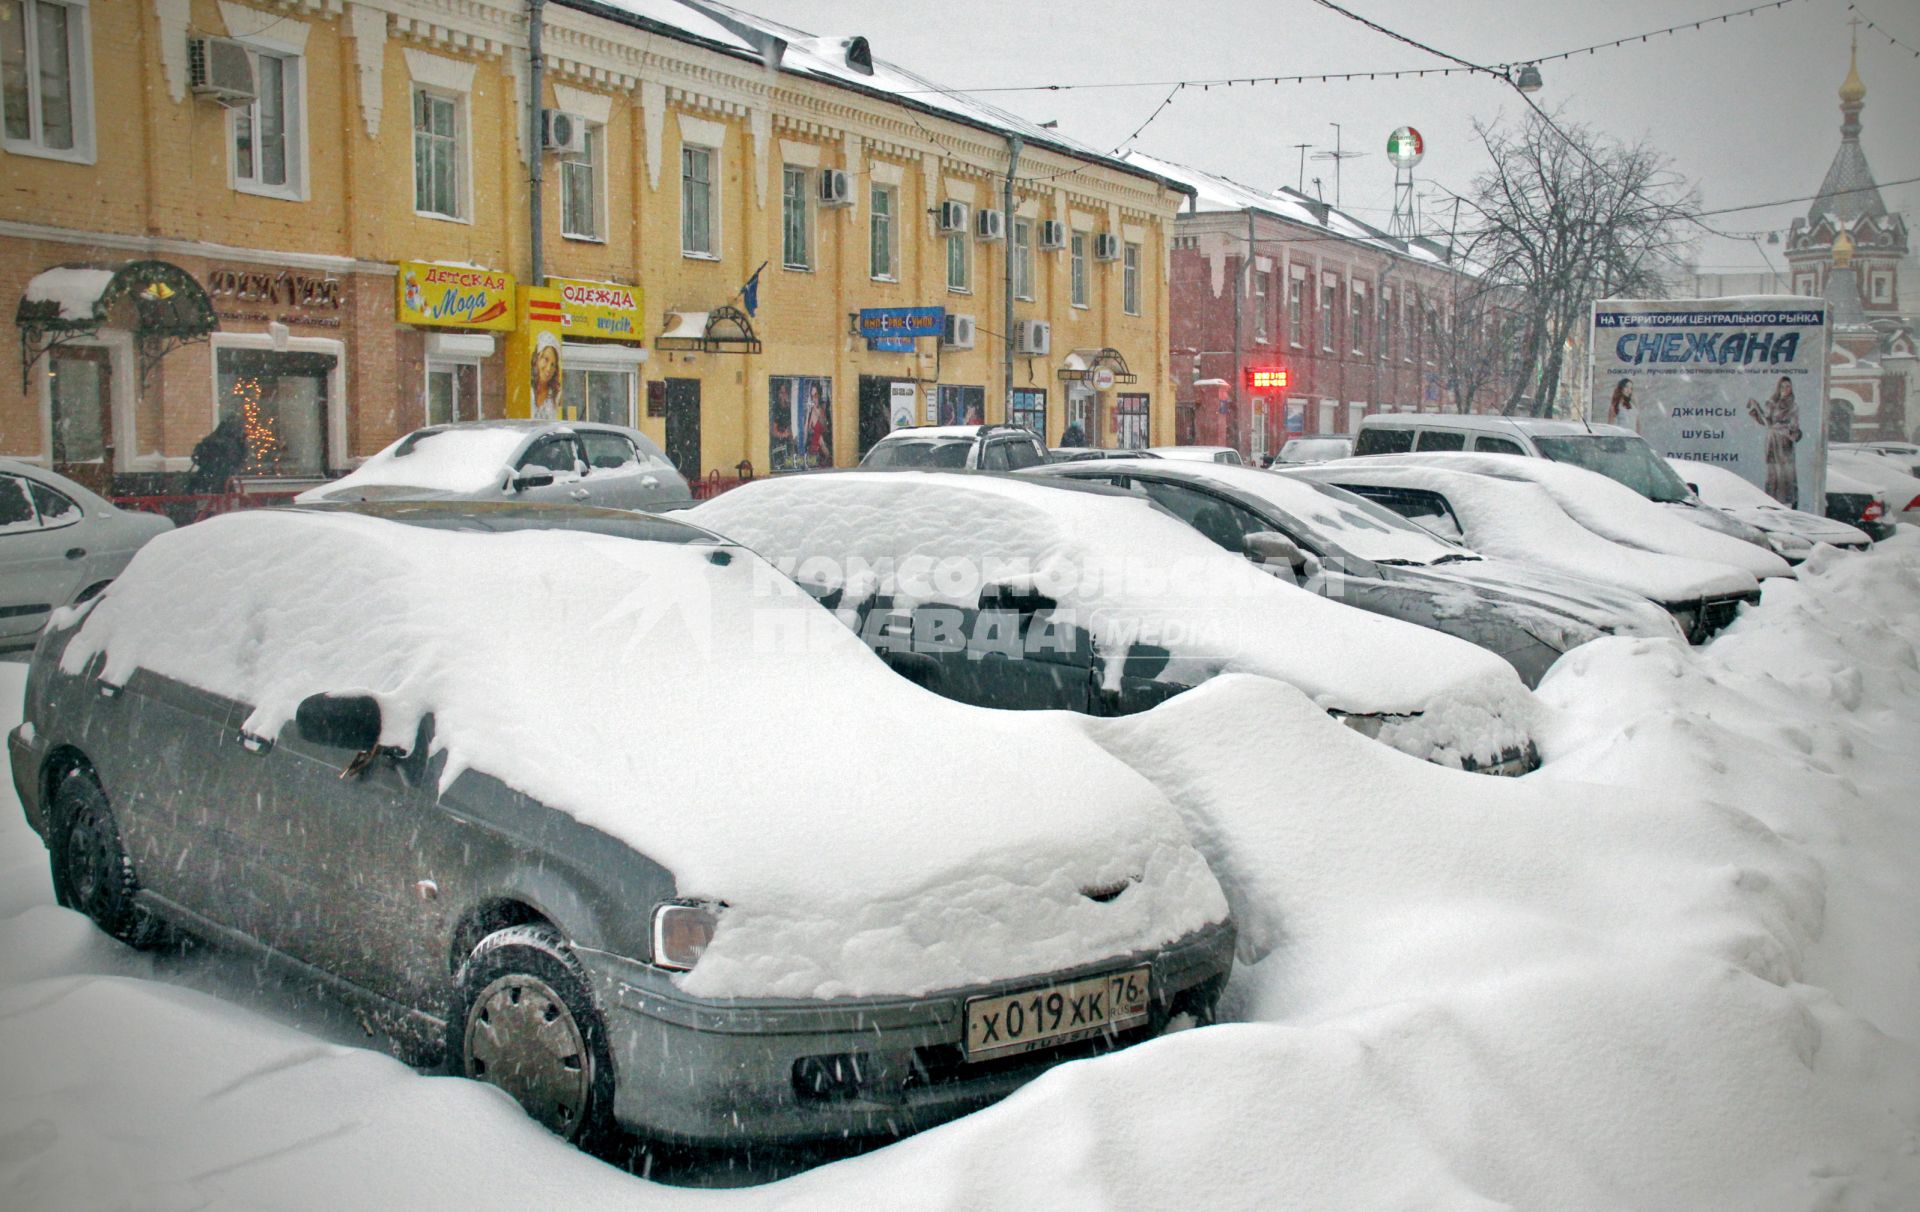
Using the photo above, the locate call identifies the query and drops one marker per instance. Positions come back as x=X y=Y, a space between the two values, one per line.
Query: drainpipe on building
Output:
x=1014 y=145
x=536 y=64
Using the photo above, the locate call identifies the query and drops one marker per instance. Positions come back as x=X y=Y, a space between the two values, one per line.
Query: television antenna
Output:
x=1337 y=156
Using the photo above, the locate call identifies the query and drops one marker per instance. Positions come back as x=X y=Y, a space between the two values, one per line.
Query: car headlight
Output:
x=681 y=931
x=1688 y=620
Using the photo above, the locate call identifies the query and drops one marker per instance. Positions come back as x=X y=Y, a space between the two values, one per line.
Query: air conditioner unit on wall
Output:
x=222 y=69
x=953 y=216
x=561 y=131
x=1106 y=247
x=958 y=333
x=1032 y=338
x=990 y=225
x=836 y=188
x=1053 y=235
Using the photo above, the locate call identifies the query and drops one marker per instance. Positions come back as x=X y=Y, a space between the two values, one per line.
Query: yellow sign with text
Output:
x=454 y=296
x=534 y=372
x=607 y=311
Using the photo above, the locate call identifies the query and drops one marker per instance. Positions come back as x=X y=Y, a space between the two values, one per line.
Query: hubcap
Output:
x=89 y=860
x=522 y=1038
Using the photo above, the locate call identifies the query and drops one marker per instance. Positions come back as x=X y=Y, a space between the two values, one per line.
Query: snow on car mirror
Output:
x=345 y=721
x=1272 y=547
x=538 y=479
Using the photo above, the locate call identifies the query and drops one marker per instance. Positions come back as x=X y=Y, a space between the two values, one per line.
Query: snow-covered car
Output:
x=1350 y=550
x=60 y=544
x=1077 y=454
x=1887 y=475
x=1857 y=503
x=1618 y=453
x=1792 y=532
x=1615 y=511
x=1905 y=455
x=608 y=813
x=1037 y=593
x=1197 y=454
x=1314 y=450
x=544 y=462
x=989 y=447
x=1520 y=520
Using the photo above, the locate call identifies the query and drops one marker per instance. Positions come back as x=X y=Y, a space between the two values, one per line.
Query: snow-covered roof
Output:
x=1217 y=194
x=738 y=32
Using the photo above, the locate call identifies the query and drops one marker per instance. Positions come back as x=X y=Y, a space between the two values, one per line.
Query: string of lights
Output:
x=1869 y=23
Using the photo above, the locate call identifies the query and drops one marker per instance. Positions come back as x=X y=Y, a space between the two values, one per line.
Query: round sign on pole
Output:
x=1101 y=377
x=1405 y=147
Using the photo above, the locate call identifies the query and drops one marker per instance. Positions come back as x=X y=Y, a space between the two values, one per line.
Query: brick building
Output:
x=314 y=216
x=1359 y=320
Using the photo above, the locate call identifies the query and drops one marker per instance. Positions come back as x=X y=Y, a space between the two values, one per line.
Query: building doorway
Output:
x=80 y=407
x=876 y=411
x=683 y=426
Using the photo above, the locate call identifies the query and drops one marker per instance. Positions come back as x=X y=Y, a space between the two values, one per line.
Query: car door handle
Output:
x=76 y=553
x=650 y=481
x=579 y=494
x=254 y=744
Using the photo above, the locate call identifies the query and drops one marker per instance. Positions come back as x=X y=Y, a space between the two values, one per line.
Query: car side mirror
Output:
x=1272 y=547
x=340 y=721
x=537 y=479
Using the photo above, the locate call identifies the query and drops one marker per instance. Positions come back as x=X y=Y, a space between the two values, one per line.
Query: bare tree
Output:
x=1477 y=344
x=1567 y=217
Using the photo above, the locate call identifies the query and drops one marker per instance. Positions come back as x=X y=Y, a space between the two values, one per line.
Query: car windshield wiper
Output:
x=1402 y=563
x=1456 y=558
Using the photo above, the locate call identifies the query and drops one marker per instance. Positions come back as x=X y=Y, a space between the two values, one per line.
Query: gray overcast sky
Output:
x=1748 y=109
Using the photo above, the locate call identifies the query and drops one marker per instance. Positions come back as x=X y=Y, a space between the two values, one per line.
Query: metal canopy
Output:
x=169 y=309
x=725 y=329
x=1092 y=359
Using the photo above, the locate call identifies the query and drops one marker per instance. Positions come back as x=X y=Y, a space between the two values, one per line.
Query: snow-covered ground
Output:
x=1678 y=967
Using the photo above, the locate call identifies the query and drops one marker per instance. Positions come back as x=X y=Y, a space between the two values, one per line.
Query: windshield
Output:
x=1624 y=459
x=1349 y=522
x=919 y=452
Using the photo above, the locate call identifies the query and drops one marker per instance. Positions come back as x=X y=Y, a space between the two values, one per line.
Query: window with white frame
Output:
x=604 y=394
x=696 y=202
x=796 y=218
x=267 y=155
x=453 y=390
x=1329 y=312
x=1077 y=256
x=1260 y=306
x=883 y=204
x=1357 y=318
x=959 y=261
x=1023 y=259
x=1130 y=279
x=1296 y=311
x=45 y=86
x=439 y=154
x=581 y=174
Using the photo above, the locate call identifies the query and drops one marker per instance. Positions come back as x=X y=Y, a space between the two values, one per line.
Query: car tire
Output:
x=525 y=1021
x=92 y=871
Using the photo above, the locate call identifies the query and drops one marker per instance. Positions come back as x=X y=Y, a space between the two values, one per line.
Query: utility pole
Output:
x=536 y=61
x=1014 y=145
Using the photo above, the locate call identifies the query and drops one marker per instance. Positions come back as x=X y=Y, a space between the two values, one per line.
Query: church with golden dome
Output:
x=1847 y=250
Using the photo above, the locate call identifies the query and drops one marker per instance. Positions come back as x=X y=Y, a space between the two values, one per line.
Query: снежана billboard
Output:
x=1739 y=382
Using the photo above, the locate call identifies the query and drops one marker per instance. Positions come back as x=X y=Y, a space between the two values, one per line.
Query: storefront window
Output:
x=1130 y=421
x=962 y=405
x=799 y=422
x=1030 y=410
x=453 y=392
x=590 y=393
x=279 y=401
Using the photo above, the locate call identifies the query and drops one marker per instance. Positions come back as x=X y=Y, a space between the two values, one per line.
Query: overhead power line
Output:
x=1868 y=22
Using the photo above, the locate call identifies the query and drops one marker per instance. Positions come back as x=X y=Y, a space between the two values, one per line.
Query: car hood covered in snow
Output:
x=1730 y=493
x=1612 y=510
x=1519 y=520
x=674 y=696
x=458 y=462
x=1124 y=570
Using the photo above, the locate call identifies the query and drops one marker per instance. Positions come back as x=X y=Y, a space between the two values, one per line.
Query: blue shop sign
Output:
x=894 y=323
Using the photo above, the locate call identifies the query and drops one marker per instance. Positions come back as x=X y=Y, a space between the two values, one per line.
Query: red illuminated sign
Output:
x=1266 y=378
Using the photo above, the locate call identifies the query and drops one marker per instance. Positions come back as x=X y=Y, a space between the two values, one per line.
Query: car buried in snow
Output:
x=556 y=795
x=1035 y=592
x=1792 y=532
x=1350 y=550
x=1520 y=520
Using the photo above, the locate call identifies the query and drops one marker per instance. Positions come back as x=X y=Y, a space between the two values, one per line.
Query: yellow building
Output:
x=313 y=217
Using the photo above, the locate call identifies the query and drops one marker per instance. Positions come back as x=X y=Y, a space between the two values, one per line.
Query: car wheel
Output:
x=526 y=1023
x=91 y=869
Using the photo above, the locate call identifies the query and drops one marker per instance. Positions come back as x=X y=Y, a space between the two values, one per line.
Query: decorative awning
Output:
x=1095 y=365
x=170 y=308
x=724 y=330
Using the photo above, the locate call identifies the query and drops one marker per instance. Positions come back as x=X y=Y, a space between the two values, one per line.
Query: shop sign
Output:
x=1101 y=378
x=534 y=370
x=454 y=296
x=607 y=310
x=893 y=329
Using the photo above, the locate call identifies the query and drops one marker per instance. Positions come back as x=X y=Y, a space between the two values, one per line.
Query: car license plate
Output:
x=1012 y=1023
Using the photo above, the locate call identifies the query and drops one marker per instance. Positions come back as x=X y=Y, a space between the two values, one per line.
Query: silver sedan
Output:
x=59 y=545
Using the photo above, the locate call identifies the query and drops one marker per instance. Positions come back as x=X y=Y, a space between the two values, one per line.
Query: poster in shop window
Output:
x=799 y=422
x=1740 y=383
x=903 y=403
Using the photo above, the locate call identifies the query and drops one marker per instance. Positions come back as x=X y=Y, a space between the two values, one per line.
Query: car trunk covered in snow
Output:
x=669 y=695
x=1131 y=576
